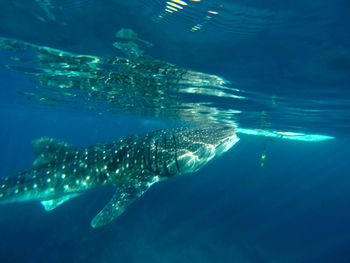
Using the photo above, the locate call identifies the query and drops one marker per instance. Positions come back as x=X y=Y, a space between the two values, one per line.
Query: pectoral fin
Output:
x=125 y=195
x=52 y=204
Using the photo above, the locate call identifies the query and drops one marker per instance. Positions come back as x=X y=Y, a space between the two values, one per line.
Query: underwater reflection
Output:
x=135 y=83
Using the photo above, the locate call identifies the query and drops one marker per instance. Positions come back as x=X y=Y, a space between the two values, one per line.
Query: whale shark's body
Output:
x=132 y=164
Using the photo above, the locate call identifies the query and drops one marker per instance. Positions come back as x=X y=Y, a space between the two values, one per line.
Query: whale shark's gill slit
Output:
x=147 y=156
x=156 y=157
x=144 y=158
x=153 y=156
x=166 y=170
x=140 y=155
x=175 y=153
x=164 y=141
x=149 y=161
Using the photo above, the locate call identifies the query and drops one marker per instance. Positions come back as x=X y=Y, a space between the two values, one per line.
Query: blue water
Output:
x=285 y=66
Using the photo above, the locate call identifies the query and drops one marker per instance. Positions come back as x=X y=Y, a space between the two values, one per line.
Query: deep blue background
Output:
x=295 y=209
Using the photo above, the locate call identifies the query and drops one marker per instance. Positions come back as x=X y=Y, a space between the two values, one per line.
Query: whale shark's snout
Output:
x=226 y=137
x=200 y=145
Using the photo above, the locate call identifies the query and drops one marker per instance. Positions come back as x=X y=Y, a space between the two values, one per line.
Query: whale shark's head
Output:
x=197 y=146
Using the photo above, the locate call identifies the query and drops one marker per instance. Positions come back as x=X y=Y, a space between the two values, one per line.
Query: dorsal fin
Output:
x=46 y=149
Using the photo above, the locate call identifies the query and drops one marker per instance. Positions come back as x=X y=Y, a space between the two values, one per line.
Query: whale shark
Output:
x=62 y=171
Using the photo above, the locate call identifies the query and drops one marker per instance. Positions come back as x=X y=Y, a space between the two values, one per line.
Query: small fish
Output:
x=62 y=171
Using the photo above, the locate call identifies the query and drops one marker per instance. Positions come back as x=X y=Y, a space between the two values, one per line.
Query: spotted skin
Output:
x=132 y=164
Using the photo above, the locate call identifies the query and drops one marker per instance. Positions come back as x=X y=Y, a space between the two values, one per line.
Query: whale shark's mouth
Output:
x=193 y=161
x=226 y=145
